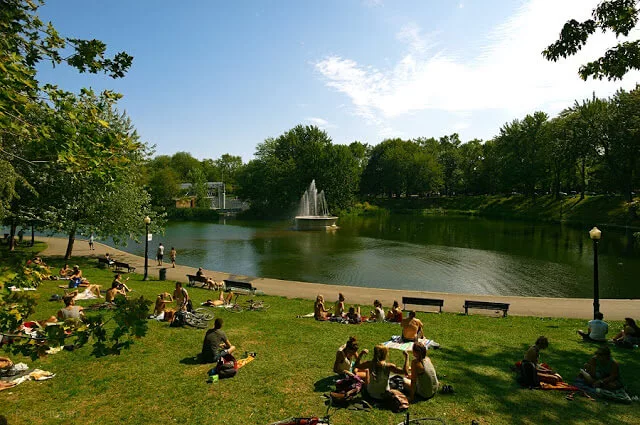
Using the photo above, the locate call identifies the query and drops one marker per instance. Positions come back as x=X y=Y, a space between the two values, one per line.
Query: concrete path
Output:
x=520 y=306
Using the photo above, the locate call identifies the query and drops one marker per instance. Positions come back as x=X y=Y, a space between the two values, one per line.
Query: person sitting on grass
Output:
x=532 y=368
x=597 y=330
x=70 y=310
x=216 y=344
x=412 y=328
x=353 y=316
x=222 y=300
x=161 y=303
x=377 y=315
x=602 y=371
x=76 y=278
x=211 y=284
x=630 y=333
x=424 y=381
x=181 y=296
x=114 y=292
x=319 y=311
x=65 y=272
x=347 y=356
x=395 y=313
x=379 y=369
x=339 y=308
x=119 y=284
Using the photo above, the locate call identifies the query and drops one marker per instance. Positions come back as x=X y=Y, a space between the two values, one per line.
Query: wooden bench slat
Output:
x=486 y=305
x=422 y=301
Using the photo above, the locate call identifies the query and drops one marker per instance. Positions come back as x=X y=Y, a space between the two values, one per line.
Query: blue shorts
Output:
x=74 y=283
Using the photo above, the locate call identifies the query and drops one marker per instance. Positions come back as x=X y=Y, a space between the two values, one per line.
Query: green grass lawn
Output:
x=155 y=382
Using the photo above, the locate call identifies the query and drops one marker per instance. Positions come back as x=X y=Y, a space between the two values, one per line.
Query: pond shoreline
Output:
x=582 y=308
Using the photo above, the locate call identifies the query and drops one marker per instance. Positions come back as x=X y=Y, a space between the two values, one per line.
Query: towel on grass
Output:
x=20 y=373
x=619 y=395
x=396 y=343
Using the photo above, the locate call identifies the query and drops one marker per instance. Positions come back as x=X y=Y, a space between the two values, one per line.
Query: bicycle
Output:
x=313 y=420
x=258 y=305
x=198 y=318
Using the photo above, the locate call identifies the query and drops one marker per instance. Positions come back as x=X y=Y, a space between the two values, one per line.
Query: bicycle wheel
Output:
x=202 y=314
x=260 y=307
x=234 y=308
x=193 y=320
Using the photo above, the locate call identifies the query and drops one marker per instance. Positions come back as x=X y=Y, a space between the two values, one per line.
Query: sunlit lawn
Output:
x=156 y=383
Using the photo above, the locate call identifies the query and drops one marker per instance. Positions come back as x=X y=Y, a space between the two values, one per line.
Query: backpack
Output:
x=347 y=389
x=398 y=401
x=528 y=375
x=227 y=366
x=178 y=320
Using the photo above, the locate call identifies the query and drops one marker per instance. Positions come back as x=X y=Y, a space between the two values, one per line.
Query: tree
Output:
x=199 y=187
x=470 y=163
x=182 y=163
x=25 y=41
x=617 y=16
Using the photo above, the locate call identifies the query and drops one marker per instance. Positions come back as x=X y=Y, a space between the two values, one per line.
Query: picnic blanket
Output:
x=619 y=395
x=396 y=343
x=19 y=373
x=245 y=361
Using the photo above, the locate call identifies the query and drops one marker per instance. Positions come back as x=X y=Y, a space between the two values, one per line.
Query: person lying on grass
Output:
x=216 y=344
x=347 y=356
x=319 y=310
x=377 y=383
x=412 y=328
x=222 y=300
x=424 y=381
x=602 y=371
x=395 y=313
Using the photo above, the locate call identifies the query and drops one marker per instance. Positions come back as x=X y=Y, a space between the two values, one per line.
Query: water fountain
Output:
x=313 y=213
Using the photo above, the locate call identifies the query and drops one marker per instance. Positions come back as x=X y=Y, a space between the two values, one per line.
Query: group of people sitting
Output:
x=600 y=371
x=418 y=375
x=352 y=315
x=598 y=329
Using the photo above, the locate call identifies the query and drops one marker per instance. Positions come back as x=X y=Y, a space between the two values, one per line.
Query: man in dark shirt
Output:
x=215 y=344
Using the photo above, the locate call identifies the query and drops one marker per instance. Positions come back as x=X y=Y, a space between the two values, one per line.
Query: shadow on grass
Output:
x=507 y=399
x=193 y=360
x=325 y=384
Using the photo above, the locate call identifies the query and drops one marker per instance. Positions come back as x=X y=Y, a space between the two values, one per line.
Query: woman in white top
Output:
x=379 y=371
x=424 y=381
x=377 y=315
x=347 y=356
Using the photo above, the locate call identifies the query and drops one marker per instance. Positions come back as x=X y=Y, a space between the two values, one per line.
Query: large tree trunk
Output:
x=72 y=238
x=12 y=235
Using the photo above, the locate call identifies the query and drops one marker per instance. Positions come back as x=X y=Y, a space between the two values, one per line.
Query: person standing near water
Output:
x=91 y=239
x=172 y=255
x=160 y=254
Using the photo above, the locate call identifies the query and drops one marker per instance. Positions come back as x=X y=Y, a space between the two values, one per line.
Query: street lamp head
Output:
x=595 y=234
x=147 y=220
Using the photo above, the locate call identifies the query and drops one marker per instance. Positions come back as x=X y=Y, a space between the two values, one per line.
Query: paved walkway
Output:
x=520 y=306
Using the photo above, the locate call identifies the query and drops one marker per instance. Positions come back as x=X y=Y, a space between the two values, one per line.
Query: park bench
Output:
x=102 y=262
x=193 y=280
x=123 y=267
x=422 y=301
x=486 y=306
x=237 y=286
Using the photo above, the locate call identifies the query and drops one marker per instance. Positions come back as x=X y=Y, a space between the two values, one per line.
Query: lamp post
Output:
x=595 y=235
x=147 y=220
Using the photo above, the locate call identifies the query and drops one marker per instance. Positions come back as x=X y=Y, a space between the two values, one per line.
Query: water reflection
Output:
x=435 y=253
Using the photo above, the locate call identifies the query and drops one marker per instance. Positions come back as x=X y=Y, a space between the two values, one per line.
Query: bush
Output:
x=192 y=214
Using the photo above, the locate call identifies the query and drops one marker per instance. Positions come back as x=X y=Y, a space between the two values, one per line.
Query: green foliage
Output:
x=199 y=187
x=617 y=16
x=192 y=214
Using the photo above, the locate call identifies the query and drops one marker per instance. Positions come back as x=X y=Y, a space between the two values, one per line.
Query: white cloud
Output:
x=372 y=3
x=460 y=5
x=509 y=73
x=319 y=122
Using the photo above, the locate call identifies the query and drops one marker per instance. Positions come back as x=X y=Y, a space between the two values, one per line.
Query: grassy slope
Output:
x=600 y=210
x=155 y=382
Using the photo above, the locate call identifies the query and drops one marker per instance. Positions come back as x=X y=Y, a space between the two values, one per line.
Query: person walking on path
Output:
x=91 y=239
x=20 y=235
x=160 y=254
x=172 y=255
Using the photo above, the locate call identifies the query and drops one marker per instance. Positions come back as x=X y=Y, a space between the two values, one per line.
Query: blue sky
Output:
x=215 y=77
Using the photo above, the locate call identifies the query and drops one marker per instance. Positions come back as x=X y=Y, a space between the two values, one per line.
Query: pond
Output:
x=439 y=253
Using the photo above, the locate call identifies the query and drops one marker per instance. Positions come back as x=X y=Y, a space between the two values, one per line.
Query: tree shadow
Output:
x=325 y=384
x=508 y=399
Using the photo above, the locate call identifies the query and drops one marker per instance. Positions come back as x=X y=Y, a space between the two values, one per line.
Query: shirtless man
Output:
x=113 y=292
x=412 y=328
x=181 y=296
